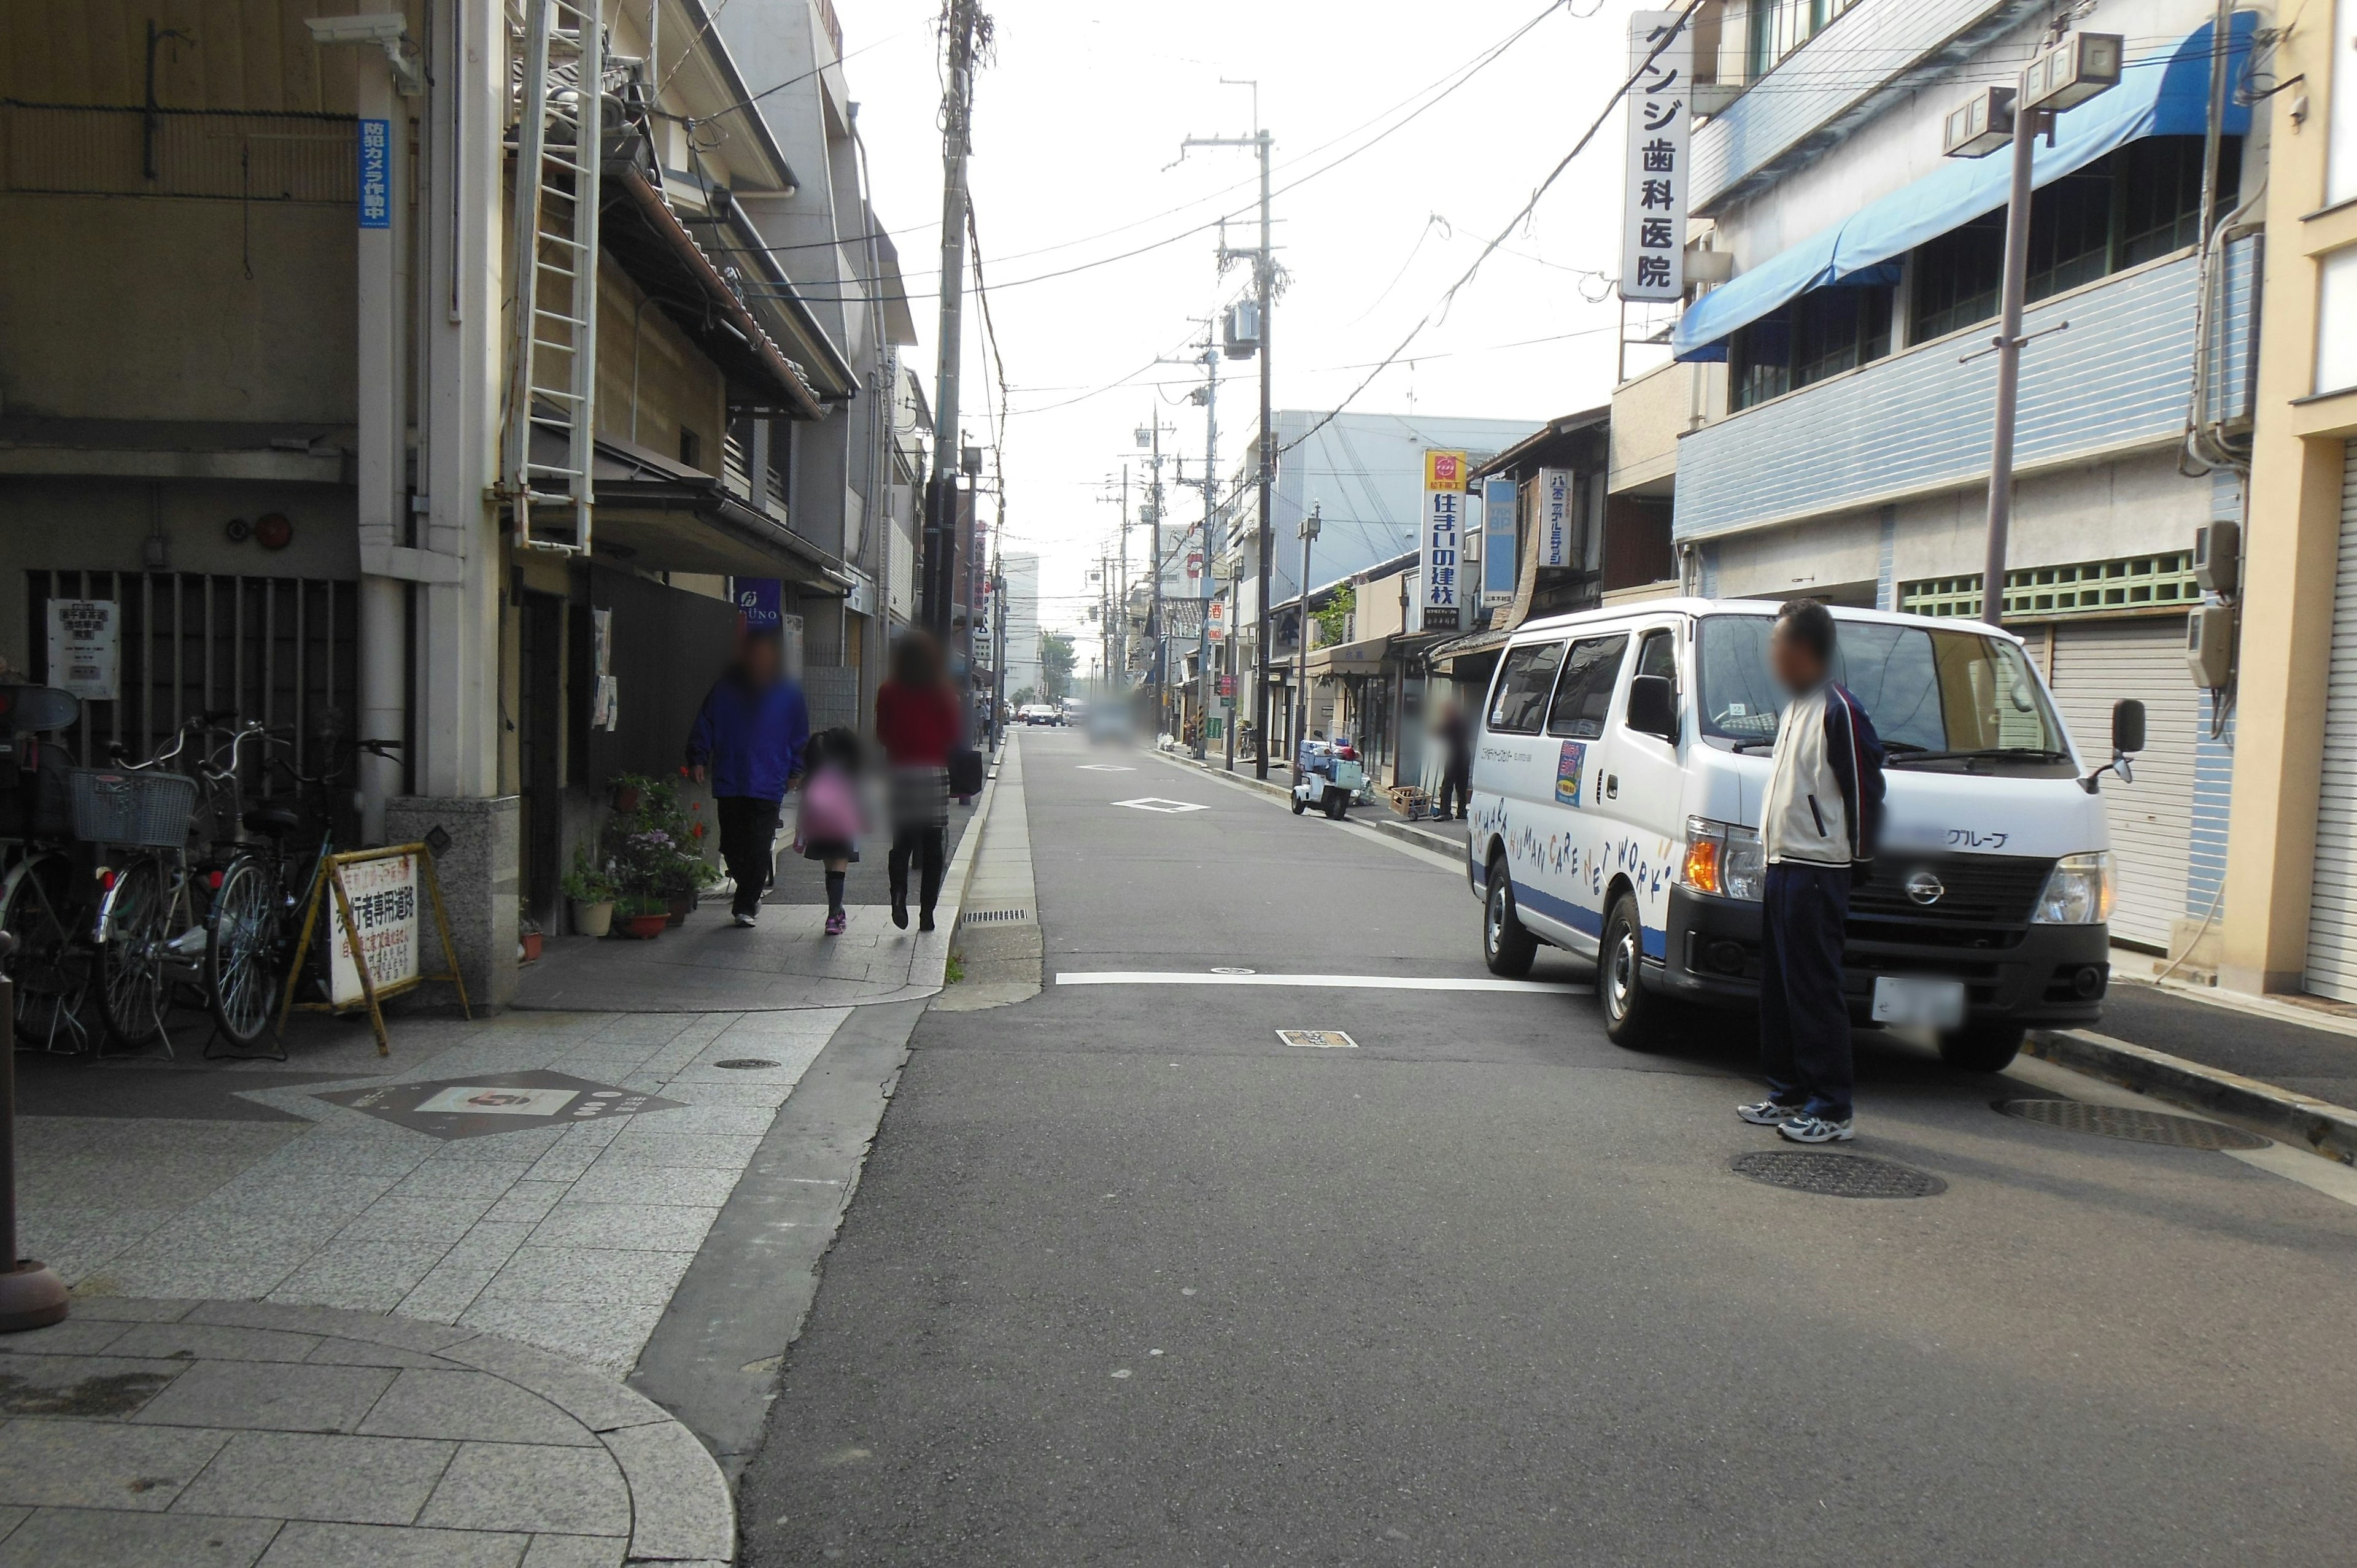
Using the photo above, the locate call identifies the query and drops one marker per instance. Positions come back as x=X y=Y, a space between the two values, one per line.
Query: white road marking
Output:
x=1326 y=982
x=1156 y=804
x=1432 y=858
x=1105 y=768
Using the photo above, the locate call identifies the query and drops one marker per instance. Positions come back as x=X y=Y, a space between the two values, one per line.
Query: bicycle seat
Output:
x=272 y=819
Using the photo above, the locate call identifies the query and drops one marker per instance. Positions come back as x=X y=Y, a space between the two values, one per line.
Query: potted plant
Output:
x=629 y=792
x=644 y=917
x=528 y=940
x=591 y=889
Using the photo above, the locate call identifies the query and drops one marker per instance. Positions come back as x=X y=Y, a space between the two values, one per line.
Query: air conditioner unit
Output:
x=1240 y=331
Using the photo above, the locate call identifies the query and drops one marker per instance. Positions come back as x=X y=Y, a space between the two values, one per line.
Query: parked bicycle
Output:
x=46 y=899
x=150 y=930
x=251 y=930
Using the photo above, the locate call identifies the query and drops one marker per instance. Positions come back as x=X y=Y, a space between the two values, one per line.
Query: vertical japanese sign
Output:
x=1498 y=498
x=1653 y=231
x=384 y=895
x=85 y=645
x=376 y=174
x=1441 y=556
x=1558 y=498
x=1218 y=623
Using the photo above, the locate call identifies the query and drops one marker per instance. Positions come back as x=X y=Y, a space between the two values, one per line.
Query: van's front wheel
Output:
x=1506 y=946
x=1982 y=1048
x=1633 y=1016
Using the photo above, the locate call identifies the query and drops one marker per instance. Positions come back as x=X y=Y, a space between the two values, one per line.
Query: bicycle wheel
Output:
x=50 y=972
x=242 y=949
x=131 y=957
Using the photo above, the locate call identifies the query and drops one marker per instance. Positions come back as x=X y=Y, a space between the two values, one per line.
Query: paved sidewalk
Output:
x=144 y=1432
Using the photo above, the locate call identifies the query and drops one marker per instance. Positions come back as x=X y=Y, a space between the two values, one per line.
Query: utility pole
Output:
x=1263 y=261
x=1209 y=396
x=1153 y=628
x=941 y=501
x=1309 y=531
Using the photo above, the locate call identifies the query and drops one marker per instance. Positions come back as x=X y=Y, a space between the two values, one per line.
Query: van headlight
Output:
x=2078 y=891
x=1723 y=860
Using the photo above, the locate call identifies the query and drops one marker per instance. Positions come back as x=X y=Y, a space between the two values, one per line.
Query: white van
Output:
x=1617 y=774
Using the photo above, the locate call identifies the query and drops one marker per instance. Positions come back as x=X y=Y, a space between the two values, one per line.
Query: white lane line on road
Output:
x=1324 y=982
x=1432 y=858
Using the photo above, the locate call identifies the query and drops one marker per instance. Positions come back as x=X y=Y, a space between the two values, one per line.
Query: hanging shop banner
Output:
x=85 y=645
x=1498 y=502
x=1219 y=621
x=760 y=604
x=382 y=894
x=1559 y=508
x=1441 y=555
x=1653 y=221
x=376 y=173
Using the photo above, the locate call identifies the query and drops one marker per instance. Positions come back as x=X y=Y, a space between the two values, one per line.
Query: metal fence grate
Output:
x=229 y=155
x=282 y=650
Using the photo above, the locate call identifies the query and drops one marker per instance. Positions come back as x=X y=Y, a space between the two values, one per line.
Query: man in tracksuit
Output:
x=1818 y=827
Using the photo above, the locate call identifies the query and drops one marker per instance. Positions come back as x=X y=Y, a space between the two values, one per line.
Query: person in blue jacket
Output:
x=749 y=740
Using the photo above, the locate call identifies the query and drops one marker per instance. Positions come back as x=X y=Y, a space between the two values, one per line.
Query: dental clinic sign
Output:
x=1443 y=552
x=1660 y=121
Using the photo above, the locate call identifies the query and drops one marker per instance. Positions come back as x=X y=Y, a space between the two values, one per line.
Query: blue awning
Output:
x=2163 y=94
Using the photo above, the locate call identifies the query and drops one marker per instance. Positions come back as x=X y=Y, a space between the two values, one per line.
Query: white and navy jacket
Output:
x=1825 y=787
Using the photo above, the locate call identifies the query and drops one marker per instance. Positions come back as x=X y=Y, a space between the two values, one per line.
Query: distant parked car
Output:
x=1041 y=714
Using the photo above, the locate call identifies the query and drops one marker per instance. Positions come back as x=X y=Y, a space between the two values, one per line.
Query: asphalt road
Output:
x=1126 y=1280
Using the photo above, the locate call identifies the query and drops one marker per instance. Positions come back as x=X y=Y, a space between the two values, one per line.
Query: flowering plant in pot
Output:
x=591 y=886
x=643 y=916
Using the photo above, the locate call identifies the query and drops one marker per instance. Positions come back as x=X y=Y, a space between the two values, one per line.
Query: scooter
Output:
x=1327 y=775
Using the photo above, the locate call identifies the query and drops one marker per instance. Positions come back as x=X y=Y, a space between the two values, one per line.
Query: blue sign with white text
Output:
x=376 y=174
x=1498 y=563
x=760 y=604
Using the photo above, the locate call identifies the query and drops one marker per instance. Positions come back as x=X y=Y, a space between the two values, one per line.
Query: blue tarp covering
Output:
x=2164 y=94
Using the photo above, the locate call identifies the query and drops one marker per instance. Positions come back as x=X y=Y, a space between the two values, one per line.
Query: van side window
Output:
x=1523 y=686
x=1583 y=698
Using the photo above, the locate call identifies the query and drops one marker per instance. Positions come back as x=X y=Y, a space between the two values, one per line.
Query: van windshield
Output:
x=1934 y=696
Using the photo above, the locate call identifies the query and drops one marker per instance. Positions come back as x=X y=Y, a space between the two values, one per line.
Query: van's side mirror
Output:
x=2128 y=725
x=1653 y=707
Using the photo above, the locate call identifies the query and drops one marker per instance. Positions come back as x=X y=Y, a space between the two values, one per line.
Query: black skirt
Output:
x=830 y=849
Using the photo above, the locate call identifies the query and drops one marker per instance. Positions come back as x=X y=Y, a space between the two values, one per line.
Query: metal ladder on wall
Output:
x=552 y=308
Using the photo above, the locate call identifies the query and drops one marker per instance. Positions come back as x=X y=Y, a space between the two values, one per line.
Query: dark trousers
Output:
x=1804 y=1022
x=749 y=836
x=926 y=847
x=1456 y=782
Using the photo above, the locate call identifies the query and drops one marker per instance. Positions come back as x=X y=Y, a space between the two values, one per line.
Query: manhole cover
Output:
x=745 y=1064
x=2127 y=1121
x=1837 y=1175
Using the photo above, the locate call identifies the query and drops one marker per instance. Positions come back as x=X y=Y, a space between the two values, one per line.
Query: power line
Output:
x=1449 y=295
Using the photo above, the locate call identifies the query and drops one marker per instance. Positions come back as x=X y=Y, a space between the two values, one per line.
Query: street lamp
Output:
x=2062 y=77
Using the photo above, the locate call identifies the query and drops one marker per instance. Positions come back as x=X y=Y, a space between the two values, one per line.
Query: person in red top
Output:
x=917 y=723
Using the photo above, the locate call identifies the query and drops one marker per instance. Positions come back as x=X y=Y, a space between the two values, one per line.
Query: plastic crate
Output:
x=150 y=810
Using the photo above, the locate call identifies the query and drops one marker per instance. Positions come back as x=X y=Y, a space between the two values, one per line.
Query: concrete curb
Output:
x=930 y=974
x=680 y=1508
x=2317 y=1125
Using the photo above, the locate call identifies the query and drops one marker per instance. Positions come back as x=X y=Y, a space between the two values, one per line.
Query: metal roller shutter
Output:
x=2332 y=901
x=2095 y=664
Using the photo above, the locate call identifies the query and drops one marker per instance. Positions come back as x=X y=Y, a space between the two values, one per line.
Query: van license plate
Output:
x=1927 y=1003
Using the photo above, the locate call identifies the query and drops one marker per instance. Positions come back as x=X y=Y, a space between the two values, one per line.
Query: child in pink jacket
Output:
x=828 y=826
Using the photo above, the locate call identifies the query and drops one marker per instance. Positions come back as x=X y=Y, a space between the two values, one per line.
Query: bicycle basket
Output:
x=150 y=810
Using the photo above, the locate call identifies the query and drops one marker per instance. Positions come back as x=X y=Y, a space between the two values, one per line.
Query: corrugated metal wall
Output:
x=2332 y=904
x=2096 y=663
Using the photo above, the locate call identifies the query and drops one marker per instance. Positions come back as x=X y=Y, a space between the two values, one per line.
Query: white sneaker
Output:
x=746 y=921
x=1767 y=1113
x=1804 y=1129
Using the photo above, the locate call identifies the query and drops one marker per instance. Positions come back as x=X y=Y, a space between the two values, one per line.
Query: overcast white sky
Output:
x=1076 y=121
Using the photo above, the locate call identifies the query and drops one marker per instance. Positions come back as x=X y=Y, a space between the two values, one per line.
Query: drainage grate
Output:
x=993 y=917
x=745 y=1064
x=2125 y=1122
x=1837 y=1175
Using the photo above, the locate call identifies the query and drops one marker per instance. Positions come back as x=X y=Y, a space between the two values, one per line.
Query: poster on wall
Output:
x=384 y=896
x=85 y=645
x=1441 y=555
